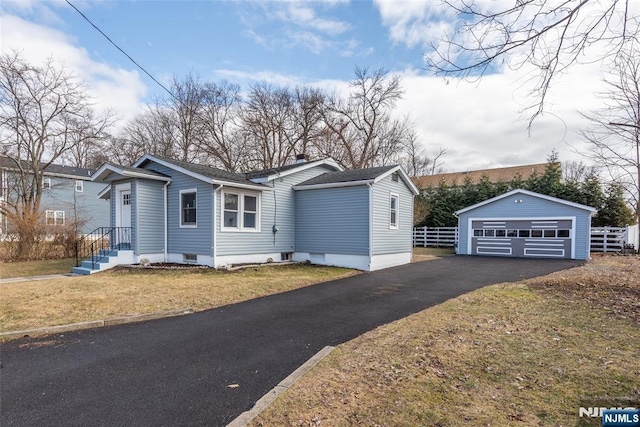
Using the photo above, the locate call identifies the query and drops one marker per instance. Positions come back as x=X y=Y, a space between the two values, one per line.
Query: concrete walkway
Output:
x=34 y=278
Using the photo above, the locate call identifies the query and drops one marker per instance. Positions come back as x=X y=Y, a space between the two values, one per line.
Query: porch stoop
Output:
x=105 y=260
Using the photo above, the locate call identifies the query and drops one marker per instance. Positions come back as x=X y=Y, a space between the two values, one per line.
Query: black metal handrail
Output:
x=106 y=239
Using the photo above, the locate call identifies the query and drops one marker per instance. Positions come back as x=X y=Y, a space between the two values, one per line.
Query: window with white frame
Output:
x=46 y=183
x=188 y=208
x=54 y=217
x=79 y=186
x=240 y=211
x=393 y=210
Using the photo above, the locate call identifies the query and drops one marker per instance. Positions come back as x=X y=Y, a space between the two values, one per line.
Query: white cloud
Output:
x=482 y=124
x=111 y=86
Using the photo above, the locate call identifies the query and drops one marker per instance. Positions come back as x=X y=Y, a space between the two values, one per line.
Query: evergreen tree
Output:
x=615 y=212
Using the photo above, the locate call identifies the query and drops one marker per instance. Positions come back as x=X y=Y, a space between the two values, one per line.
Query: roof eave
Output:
x=333 y=185
x=405 y=177
x=303 y=166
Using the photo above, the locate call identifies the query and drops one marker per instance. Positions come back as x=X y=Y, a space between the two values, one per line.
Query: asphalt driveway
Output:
x=176 y=371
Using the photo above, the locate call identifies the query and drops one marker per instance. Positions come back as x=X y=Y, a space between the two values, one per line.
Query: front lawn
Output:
x=136 y=291
x=528 y=353
x=36 y=268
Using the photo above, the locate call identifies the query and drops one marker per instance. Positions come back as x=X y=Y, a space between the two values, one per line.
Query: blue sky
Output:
x=481 y=124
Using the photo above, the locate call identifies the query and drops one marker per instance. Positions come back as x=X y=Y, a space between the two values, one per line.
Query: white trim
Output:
x=180 y=193
x=370 y=220
x=404 y=176
x=333 y=185
x=97 y=175
x=197 y=175
x=120 y=188
x=81 y=182
x=300 y=168
x=103 y=193
x=46 y=183
x=166 y=221
x=593 y=211
x=397 y=224
x=240 y=219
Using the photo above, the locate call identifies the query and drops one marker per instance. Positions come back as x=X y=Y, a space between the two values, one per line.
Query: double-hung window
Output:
x=79 y=186
x=54 y=217
x=188 y=208
x=46 y=183
x=393 y=210
x=240 y=211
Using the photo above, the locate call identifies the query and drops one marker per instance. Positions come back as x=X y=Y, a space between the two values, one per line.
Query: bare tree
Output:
x=551 y=35
x=577 y=171
x=223 y=140
x=360 y=130
x=184 y=109
x=44 y=112
x=267 y=120
x=90 y=140
x=614 y=136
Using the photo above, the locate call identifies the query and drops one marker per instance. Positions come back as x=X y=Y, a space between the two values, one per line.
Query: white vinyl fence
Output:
x=603 y=239
x=614 y=239
x=435 y=236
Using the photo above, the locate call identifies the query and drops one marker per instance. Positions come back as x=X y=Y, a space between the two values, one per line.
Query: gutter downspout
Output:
x=370 y=185
x=166 y=226
x=214 y=244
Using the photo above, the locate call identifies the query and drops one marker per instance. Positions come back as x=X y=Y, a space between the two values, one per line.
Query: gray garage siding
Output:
x=333 y=220
x=187 y=240
x=280 y=211
x=530 y=207
x=150 y=217
x=386 y=240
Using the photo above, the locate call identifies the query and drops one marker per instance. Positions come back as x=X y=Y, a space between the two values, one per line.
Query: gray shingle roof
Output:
x=7 y=162
x=141 y=171
x=209 y=172
x=348 y=176
x=266 y=172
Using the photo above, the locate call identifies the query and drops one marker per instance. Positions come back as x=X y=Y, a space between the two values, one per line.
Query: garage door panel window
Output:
x=538 y=234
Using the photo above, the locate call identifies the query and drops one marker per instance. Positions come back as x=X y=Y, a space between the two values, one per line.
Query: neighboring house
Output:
x=493 y=175
x=69 y=196
x=522 y=223
x=186 y=213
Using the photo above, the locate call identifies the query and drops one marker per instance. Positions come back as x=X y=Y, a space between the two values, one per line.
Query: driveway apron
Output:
x=177 y=371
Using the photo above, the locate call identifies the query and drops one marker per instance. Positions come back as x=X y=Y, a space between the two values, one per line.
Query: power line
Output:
x=120 y=49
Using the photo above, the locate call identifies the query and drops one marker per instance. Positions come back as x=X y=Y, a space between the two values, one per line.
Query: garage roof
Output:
x=529 y=193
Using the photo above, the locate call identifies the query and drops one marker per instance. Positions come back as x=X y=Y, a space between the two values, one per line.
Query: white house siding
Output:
x=90 y=210
x=277 y=207
x=385 y=239
x=333 y=221
x=530 y=208
x=197 y=241
x=149 y=219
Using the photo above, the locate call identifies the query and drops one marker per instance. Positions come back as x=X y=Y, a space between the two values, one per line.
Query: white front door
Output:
x=122 y=234
x=125 y=208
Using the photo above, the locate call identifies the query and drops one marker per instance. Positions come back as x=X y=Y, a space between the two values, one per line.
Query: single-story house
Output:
x=522 y=223
x=165 y=210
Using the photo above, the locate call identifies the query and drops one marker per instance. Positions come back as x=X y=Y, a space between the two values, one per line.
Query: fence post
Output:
x=424 y=233
x=605 y=237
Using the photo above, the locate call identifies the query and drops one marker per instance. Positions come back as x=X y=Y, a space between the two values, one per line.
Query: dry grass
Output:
x=35 y=268
x=135 y=291
x=426 y=254
x=527 y=353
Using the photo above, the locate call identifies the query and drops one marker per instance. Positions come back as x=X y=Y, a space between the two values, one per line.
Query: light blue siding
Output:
x=333 y=220
x=149 y=207
x=186 y=240
x=278 y=206
x=530 y=207
x=85 y=207
x=385 y=239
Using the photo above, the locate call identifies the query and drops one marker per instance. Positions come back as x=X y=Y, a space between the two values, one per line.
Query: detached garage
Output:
x=525 y=224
